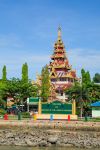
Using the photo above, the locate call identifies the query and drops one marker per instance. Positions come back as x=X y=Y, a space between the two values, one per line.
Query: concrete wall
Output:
x=95 y=113
x=63 y=97
x=56 y=116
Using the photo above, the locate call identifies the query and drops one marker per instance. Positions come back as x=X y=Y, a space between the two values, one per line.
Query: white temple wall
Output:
x=61 y=97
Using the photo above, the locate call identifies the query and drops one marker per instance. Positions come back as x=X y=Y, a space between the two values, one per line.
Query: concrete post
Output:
x=39 y=107
x=74 y=107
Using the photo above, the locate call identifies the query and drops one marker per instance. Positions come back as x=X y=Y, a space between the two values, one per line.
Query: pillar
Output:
x=74 y=107
x=39 y=107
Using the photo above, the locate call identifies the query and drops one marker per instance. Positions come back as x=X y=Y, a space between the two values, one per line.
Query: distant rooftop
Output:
x=96 y=104
x=97 y=83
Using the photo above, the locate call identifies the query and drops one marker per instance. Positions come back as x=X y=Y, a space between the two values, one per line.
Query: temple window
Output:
x=69 y=79
x=62 y=79
x=53 y=80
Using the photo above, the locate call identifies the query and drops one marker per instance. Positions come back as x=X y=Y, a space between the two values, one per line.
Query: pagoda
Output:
x=61 y=74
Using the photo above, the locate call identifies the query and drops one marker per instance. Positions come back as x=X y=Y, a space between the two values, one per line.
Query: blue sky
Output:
x=28 y=30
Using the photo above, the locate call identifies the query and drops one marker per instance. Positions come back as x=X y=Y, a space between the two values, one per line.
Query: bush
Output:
x=2 y=111
x=25 y=115
x=96 y=119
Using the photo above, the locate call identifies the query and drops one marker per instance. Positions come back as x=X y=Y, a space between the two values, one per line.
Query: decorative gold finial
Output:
x=59 y=33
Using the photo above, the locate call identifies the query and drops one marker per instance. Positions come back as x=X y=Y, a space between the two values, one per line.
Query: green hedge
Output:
x=25 y=115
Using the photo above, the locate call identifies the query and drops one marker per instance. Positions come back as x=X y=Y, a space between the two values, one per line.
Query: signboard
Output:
x=56 y=107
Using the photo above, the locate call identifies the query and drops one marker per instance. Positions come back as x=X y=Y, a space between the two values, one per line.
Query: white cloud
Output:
x=85 y=58
x=78 y=58
x=19 y=59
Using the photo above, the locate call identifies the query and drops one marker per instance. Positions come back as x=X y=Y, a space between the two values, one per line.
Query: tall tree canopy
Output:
x=45 y=83
x=80 y=92
x=96 y=78
x=25 y=73
x=18 y=90
x=4 y=73
x=94 y=92
x=86 y=79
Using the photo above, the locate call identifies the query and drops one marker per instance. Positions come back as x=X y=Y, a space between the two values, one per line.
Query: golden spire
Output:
x=59 y=33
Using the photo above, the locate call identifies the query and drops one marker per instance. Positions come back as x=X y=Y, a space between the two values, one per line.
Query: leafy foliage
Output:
x=2 y=103
x=85 y=92
x=25 y=73
x=86 y=79
x=4 y=74
x=96 y=78
x=45 y=87
x=80 y=93
x=18 y=90
x=2 y=111
x=94 y=92
x=25 y=115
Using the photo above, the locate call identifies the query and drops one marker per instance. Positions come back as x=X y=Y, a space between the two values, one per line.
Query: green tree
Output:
x=83 y=75
x=86 y=79
x=80 y=93
x=94 y=92
x=3 y=95
x=4 y=74
x=85 y=92
x=27 y=90
x=2 y=103
x=25 y=73
x=45 y=85
x=96 y=78
x=18 y=90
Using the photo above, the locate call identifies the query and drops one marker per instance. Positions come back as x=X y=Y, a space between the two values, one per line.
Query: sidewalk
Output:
x=51 y=124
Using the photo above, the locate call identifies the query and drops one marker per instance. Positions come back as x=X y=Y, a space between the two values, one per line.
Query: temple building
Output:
x=61 y=74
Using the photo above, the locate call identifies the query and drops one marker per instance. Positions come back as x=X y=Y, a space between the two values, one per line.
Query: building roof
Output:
x=33 y=100
x=96 y=104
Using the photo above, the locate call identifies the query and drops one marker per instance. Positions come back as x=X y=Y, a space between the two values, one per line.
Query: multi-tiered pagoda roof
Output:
x=61 y=74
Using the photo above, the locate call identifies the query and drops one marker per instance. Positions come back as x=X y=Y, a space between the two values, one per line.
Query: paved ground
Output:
x=53 y=124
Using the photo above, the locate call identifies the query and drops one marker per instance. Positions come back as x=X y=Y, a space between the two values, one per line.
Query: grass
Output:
x=95 y=119
x=90 y=119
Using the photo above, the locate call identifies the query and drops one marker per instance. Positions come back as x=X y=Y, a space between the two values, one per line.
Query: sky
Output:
x=28 y=31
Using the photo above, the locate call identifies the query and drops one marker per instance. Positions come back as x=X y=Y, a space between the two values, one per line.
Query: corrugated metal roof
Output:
x=33 y=100
x=96 y=104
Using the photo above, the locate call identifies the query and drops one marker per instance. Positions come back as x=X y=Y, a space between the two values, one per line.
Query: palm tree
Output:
x=80 y=93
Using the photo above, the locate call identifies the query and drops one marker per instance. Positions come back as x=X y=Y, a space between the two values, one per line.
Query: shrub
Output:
x=2 y=111
x=25 y=115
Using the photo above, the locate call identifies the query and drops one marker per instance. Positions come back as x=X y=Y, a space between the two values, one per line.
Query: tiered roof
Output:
x=60 y=61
